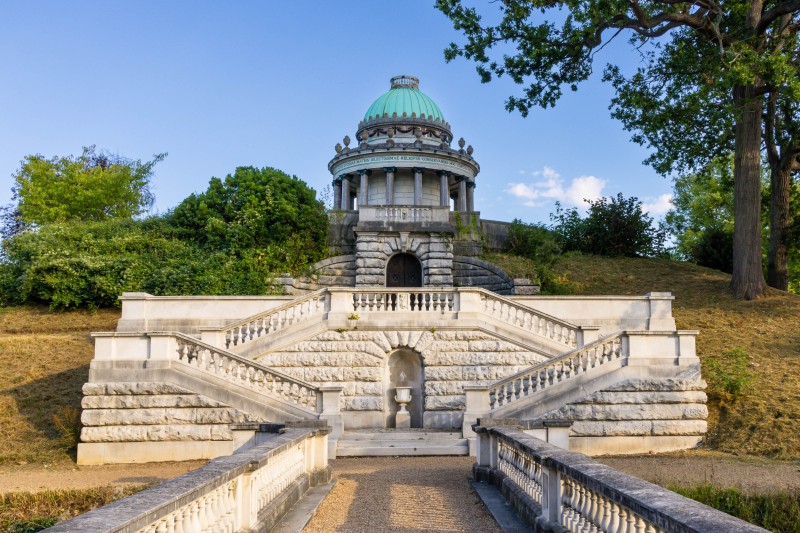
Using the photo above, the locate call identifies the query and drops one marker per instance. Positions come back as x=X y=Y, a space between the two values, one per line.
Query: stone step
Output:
x=402 y=442
x=401 y=435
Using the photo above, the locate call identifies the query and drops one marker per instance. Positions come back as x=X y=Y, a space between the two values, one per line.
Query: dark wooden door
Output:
x=404 y=270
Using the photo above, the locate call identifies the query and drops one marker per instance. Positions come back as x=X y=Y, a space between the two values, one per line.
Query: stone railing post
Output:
x=329 y=411
x=214 y=337
x=477 y=406
x=163 y=347
x=244 y=502
x=587 y=335
x=551 y=495
x=482 y=457
x=660 y=318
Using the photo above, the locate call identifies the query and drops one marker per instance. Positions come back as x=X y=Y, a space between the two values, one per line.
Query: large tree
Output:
x=90 y=187
x=553 y=44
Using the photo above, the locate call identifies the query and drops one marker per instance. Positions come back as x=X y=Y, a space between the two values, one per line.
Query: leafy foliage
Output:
x=728 y=374
x=89 y=264
x=708 y=71
x=93 y=186
x=614 y=226
x=539 y=244
x=256 y=209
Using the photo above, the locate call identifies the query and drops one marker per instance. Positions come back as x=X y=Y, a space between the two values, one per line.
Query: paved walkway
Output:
x=402 y=494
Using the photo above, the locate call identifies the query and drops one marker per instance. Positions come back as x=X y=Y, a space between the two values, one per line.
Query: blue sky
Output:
x=279 y=84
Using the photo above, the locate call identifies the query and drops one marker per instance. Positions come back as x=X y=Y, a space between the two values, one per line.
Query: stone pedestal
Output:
x=402 y=420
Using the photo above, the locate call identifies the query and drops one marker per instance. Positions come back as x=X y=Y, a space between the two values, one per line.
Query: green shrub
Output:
x=728 y=375
x=713 y=249
x=539 y=244
x=612 y=227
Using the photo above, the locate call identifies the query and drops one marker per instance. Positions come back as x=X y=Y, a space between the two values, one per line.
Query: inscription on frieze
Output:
x=382 y=159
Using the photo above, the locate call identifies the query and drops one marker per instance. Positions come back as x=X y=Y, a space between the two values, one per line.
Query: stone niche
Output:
x=434 y=250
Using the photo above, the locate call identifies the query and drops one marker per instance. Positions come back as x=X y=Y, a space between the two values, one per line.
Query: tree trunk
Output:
x=747 y=280
x=779 y=228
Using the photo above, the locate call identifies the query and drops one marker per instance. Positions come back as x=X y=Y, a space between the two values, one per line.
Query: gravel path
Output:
x=402 y=494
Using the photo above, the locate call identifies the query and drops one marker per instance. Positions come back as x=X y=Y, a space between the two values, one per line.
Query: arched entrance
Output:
x=405 y=369
x=404 y=270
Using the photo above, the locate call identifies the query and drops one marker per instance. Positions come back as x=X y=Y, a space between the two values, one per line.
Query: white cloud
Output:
x=659 y=206
x=552 y=187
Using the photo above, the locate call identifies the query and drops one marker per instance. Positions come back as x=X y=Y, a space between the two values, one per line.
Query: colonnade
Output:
x=343 y=196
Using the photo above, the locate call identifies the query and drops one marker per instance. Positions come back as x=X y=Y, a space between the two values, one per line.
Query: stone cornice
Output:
x=457 y=162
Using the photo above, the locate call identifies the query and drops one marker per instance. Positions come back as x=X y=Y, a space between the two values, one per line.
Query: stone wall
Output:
x=474 y=272
x=494 y=234
x=341 y=239
x=357 y=361
x=434 y=250
x=153 y=412
x=659 y=413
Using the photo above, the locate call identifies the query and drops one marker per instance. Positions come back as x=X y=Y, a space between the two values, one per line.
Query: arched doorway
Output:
x=404 y=270
x=404 y=368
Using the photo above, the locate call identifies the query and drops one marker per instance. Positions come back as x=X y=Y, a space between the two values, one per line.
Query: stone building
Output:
x=404 y=327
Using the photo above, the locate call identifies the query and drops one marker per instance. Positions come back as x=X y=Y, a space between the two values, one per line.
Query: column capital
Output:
x=390 y=169
x=471 y=184
x=459 y=178
x=419 y=170
x=364 y=171
x=444 y=173
x=342 y=177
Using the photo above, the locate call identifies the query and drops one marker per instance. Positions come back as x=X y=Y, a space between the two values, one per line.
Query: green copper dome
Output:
x=404 y=97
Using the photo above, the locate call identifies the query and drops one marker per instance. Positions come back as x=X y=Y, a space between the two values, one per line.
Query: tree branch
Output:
x=784 y=8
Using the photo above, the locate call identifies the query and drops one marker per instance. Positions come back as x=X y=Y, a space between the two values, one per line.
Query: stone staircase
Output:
x=405 y=442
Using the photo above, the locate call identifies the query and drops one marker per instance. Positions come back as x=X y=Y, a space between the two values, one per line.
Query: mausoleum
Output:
x=401 y=340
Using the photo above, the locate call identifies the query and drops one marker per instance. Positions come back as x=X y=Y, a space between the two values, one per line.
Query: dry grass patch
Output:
x=32 y=511
x=46 y=359
x=765 y=418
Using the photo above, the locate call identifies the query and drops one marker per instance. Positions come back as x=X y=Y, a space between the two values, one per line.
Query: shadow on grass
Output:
x=37 y=402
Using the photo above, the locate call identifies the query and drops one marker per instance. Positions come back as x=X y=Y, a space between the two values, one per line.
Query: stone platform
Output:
x=400 y=442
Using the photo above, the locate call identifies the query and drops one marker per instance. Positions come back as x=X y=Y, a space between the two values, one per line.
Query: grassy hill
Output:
x=45 y=357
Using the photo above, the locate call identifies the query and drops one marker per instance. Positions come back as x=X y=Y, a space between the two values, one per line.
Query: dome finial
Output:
x=405 y=81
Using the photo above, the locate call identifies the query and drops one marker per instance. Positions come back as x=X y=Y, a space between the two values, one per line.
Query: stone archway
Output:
x=404 y=270
x=409 y=363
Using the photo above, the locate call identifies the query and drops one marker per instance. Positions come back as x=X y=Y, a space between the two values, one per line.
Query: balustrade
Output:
x=528 y=319
x=553 y=371
x=276 y=319
x=417 y=301
x=581 y=496
x=227 y=495
x=245 y=372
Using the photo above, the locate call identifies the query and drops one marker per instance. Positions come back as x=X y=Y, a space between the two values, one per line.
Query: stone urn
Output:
x=402 y=397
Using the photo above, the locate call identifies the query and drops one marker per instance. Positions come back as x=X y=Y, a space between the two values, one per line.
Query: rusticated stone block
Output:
x=148 y=401
x=155 y=433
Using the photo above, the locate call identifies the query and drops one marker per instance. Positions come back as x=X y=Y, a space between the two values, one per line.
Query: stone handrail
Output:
x=533 y=321
x=554 y=371
x=561 y=491
x=247 y=491
x=245 y=372
x=415 y=300
x=276 y=319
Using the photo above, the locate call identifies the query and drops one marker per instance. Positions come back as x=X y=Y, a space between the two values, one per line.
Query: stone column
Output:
x=390 y=184
x=363 y=197
x=418 y=185
x=337 y=194
x=345 y=192
x=462 y=193
x=444 y=189
x=471 y=196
